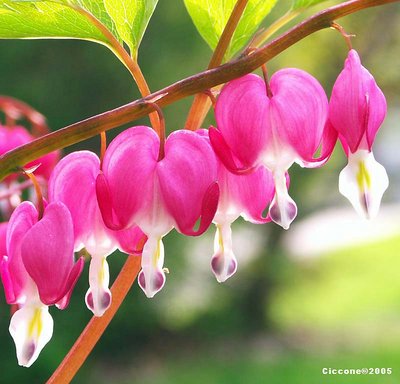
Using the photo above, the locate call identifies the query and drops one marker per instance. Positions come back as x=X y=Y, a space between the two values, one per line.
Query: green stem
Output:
x=130 y=63
x=85 y=129
x=273 y=28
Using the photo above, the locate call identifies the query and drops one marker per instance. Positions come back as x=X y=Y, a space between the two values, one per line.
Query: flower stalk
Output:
x=97 y=325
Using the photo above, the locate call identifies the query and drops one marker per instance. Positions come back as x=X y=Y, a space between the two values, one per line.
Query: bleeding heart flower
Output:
x=38 y=271
x=157 y=194
x=73 y=182
x=357 y=109
x=273 y=127
x=246 y=195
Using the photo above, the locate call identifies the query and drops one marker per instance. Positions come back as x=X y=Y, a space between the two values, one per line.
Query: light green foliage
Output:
x=44 y=19
x=211 y=16
x=131 y=19
x=303 y=4
x=126 y=19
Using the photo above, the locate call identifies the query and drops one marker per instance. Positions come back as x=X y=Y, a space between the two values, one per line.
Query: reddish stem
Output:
x=97 y=325
x=92 y=126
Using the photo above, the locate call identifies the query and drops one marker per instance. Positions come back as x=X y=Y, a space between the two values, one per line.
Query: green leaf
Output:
x=45 y=19
x=125 y=19
x=303 y=4
x=211 y=16
x=131 y=19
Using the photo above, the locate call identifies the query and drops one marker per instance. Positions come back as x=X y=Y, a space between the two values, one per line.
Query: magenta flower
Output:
x=38 y=271
x=73 y=182
x=244 y=195
x=356 y=110
x=273 y=127
x=157 y=194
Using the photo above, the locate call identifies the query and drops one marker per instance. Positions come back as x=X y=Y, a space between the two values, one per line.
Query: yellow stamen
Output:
x=156 y=254
x=35 y=325
x=363 y=177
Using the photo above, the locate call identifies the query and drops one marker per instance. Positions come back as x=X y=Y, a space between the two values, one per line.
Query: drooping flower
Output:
x=38 y=271
x=138 y=186
x=357 y=109
x=246 y=195
x=73 y=182
x=274 y=127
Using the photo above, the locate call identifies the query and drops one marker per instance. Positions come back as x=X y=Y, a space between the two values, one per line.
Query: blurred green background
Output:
x=324 y=294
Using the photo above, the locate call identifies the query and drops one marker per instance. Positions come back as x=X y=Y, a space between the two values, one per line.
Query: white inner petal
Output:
x=363 y=182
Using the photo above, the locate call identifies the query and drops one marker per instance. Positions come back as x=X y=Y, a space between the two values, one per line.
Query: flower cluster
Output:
x=143 y=187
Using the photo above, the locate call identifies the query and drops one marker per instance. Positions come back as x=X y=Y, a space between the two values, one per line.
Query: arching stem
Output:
x=97 y=325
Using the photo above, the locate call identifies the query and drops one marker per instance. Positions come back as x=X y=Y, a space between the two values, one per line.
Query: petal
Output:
x=47 y=253
x=128 y=166
x=152 y=277
x=224 y=153
x=131 y=241
x=31 y=328
x=73 y=183
x=242 y=116
x=283 y=209
x=299 y=110
x=363 y=181
x=223 y=262
x=98 y=297
x=3 y=232
x=329 y=139
x=357 y=106
x=187 y=177
x=14 y=275
x=251 y=193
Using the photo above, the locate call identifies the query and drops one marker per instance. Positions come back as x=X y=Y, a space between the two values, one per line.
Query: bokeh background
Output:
x=326 y=293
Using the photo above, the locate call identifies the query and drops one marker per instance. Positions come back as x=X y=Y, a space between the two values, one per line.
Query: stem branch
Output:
x=97 y=325
x=85 y=129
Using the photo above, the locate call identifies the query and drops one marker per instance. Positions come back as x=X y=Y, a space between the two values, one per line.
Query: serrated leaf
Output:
x=131 y=19
x=303 y=4
x=211 y=16
x=125 y=19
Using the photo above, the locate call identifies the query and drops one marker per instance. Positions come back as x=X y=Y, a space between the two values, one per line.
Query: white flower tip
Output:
x=98 y=297
x=223 y=265
x=98 y=301
x=283 y=210
x=151 y=281
x=31 y=327
x=363 y=182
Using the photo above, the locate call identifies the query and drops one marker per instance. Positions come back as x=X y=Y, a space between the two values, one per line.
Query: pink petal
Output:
x=251 y=193
x=13 y=273
x=131 y=241
x=242 y=115
x=225 y=154
x=357 y=106
x=299 y=109
x=187 y=177
x=47 y=254
x=73 y=183
x=128 y=167
x=3 y=232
